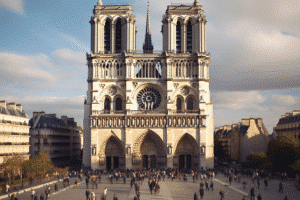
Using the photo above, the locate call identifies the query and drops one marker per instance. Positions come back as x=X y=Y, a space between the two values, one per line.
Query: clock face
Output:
x=148 y=98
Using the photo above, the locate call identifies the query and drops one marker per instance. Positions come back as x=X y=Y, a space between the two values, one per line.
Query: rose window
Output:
x=148 y=98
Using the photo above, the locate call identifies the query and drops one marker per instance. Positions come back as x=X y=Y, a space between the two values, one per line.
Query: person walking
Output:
x=285 y=198
x=87 y=183
x=115 y=197
x=252 y=196
x=244 y=198
x=258 y=183
x=206 y=185
x=280 y=189
x=42 y=197
x=266 y=184
x=212 y=186
x=201 y=192
x=103 y=197
x=259 y=197
x=56 y=187
x=36 y=196
x=47 y=192
x=87 y=194
x=195 y=196
x=32 y=194
x=222 y=194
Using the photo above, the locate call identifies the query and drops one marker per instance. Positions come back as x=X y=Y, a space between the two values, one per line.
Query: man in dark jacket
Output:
x=259 y=197
x=212 y=186
x=222 y=194
x=201 y=192
x=252 y=194
x=87 y=183
x=87 y=194
x=195 y=196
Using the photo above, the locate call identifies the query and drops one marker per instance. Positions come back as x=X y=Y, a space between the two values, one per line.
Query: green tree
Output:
x=13 y=168
x=258 y=161
x=282 y=152
x=219 y=151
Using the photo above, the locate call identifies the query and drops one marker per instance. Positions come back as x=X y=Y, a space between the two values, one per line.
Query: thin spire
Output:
x=148 y=20
x=196 y=3
x=148 y=47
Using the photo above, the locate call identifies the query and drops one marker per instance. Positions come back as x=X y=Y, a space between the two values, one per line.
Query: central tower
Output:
x=146 y=110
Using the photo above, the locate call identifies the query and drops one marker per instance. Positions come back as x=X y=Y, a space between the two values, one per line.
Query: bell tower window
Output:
x=107 y=36
x=118 y=104
x=179 y=104
x=190 y=103
x=118 y=41
x=189 y=37
x=178 y=37
x=107 y=104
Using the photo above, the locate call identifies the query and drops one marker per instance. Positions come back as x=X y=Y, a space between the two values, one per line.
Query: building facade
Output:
x=148 y=110
x=60 y=138
x=14 y=131
x=289 y=123
x=239 y=140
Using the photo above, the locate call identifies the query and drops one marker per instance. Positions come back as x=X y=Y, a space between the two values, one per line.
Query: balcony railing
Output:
x=103 y=112
x=138 y=112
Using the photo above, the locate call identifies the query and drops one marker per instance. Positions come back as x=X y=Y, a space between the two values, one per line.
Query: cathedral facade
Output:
x=144 y=109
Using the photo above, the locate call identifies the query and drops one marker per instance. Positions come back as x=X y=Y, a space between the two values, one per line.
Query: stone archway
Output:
x=114 y=154
x=187 y=153
x=150 y=150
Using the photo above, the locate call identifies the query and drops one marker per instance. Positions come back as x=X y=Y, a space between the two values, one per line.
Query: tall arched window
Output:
x=189 y=37
x=178 y=37
x=179 y=104
x=119 y=104
x=107 y=104
x=107 y=36
x=118 y=38
x=190 y=103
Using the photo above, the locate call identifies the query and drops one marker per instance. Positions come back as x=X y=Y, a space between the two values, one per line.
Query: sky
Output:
x=254 y=47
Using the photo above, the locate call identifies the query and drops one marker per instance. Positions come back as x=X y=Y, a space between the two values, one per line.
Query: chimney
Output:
x=221 y=127
x=35 y=114
x=296 y=112
x=252 y=121
x=246 y=122
x=287 y=114
x=19 y=107
x=65 y=119
x=233 y=126
x=259 y=122
x=282 y=116
x=3 y=103
x=12 y=105
x=227 y=127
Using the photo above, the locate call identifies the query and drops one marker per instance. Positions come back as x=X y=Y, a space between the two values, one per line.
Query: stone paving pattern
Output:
x=175 y=190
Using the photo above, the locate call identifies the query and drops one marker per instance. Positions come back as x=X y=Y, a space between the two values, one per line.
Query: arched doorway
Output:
x=114 y=154
x=187 y=153
x=152 y=150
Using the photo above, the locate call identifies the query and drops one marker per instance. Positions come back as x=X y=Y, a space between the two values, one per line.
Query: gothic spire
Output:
x=148 y=47
x=148 y=20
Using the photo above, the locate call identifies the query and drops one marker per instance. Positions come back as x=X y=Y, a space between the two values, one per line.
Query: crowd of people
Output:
x=204 y=177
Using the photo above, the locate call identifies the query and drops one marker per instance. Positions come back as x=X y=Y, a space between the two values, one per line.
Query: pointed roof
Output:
x=148 y=47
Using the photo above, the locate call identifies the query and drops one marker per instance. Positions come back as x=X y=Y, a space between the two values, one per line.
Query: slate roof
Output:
x=11 y=111
x=48 y=121
x=289 y=119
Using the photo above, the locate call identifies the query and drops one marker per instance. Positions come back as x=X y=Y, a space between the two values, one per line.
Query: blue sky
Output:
x=254 y=46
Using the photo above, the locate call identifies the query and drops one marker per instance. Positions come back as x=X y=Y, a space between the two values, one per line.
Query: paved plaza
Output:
x=175 y=190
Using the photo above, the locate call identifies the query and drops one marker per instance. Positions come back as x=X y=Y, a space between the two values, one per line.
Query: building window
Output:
x=107 y=36
x=190 y=103
x=179 y=104
x=178 y=37
x=119 y=104
x=118 y=41
x=107 y=104
x=189 y=37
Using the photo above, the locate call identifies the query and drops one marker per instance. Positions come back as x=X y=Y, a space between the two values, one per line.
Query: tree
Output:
x=219 y=152
x=13 y=167
x=258 y=161
x=282 y=152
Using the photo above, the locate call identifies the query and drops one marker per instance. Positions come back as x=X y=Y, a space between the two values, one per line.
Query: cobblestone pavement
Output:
x=173 y=190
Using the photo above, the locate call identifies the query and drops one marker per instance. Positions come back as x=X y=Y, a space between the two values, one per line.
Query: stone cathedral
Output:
x=145 y=109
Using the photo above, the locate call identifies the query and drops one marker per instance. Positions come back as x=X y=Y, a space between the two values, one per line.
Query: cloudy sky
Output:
x=254 y=46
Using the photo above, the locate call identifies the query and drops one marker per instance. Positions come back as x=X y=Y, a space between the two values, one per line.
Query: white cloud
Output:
x=238 y=100
x=23 y=68
x=16 y=6
x=70 y=58
x=286 y=100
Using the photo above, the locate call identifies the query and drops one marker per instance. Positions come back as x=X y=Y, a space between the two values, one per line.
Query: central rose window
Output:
x=148 y=98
